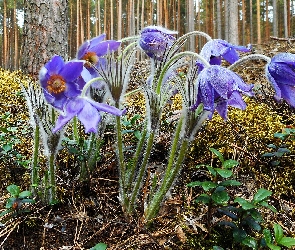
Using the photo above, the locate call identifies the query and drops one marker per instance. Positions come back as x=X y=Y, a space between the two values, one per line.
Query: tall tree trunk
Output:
x=16 y=60
x=226 y=19
x=218 y=10
x=285 y=19
x=191 y=22
x=275 y=18
x=258 y=22
x=45 y=33
x=267 y=33
x=119 y=18
x=243 y=22
x=5 y=43
x=251 y=21
x=233 y=30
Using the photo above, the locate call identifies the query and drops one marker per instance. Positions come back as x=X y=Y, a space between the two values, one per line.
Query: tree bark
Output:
x=45 y=33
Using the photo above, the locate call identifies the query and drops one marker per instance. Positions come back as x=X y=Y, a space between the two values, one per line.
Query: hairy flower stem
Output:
x=52 y=182
x=75 y=129
x=136 y=157
x=120 y=156
x=136 y=188
x=34 y=180
x=173 y=60
x=249 y=58
x=153 y=207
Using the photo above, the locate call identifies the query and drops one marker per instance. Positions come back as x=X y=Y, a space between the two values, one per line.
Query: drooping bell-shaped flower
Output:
x=92 y=51
x=281 y=74
x=218 y=88
x=61 y=81
x=217 y=49
x=87 y=112
x=154 y=40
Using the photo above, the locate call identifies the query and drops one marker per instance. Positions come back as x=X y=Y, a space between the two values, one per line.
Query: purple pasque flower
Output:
x=154 y=40
x=61 y=81
x=219 y=87
x=93 y=49
x=87 y=112
x=216 y=49
x=281 y=74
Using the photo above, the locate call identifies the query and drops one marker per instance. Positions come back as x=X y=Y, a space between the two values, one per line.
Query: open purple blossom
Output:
x=154 y=41
x=92 y=50
x=218 y=88
x=61 y=81
x=87 y=112
x=216 y=49
x=281 y=74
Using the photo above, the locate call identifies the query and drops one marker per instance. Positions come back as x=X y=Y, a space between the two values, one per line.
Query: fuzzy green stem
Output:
x=174 y=147
x=127 y=39
x=75 y=129
x=172 y=60
x=153 y=207
x=126 y=49
x=136 y=158
x=34 y=181
x=197 y=33
x=52 y=182
x=248 y=58
x=87 y=85
x=141 y=172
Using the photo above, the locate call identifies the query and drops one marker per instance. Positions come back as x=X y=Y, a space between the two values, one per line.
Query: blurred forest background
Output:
x=256 y=22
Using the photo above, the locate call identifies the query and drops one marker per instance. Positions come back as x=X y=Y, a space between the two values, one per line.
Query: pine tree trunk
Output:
x=45 y=33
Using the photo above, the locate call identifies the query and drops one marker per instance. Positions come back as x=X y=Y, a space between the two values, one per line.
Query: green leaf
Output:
x=24 y=194
x=280 y=136
x=267 y=155
x=225 y=173
x=239 y=234
x=220 y=197
x=270 y=207
x=7 y=147
x=267 y=236
x=13 y=190
x=4 y=130
x=206 y=185
x=217 y=153
x=261 y=195
x=272 y=146
x=287 y=242
x=230 y=163
x=245 y=204
x=137 y=134
x=253 y=224
x=211 y=170
x=205 y=198
x=229 y=183
x=250 y=242
x=5 y=212
x=99 y=246
x=278 y=232
x=217 y=248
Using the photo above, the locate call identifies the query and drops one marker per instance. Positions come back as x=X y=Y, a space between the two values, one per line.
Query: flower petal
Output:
x=105 y=47
x=106 y=108
x=89 y=117
x=72 y=70
x=55 y=65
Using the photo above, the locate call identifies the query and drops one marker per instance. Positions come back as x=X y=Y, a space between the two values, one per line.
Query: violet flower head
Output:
x=154 y=41
x=216 y=49
x=281 y=74
x=218 y=88
x=92 y=50
x=87 y=112
x=59 y=81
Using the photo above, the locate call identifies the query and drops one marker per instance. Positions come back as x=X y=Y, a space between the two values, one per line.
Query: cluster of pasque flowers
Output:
x=217 y=86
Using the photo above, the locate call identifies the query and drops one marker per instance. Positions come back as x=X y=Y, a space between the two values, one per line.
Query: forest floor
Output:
x=89 y=212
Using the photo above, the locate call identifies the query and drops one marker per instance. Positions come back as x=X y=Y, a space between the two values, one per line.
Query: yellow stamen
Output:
x=56 y=84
